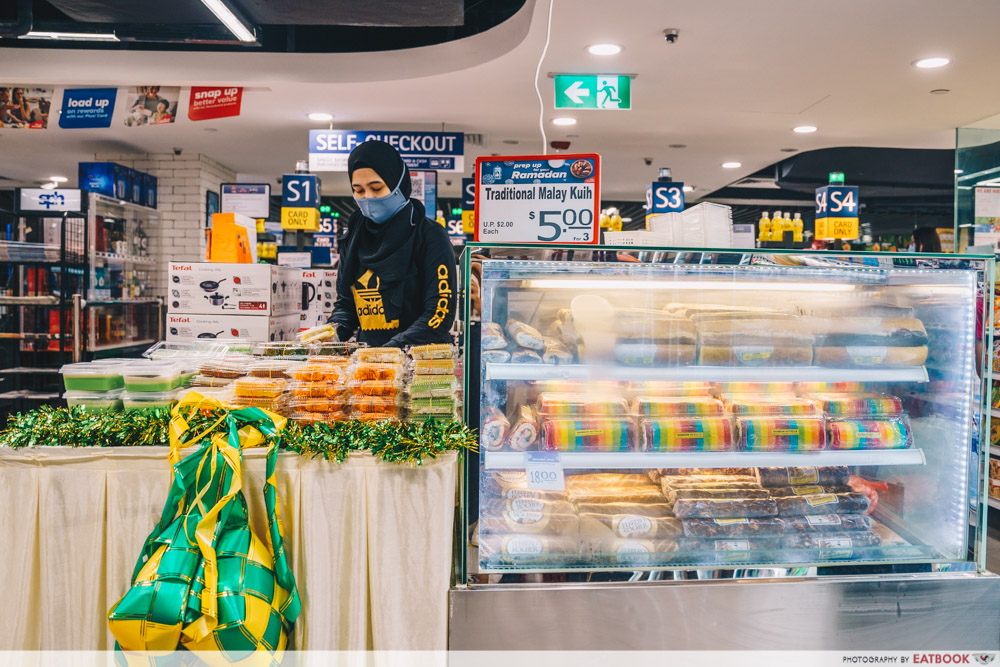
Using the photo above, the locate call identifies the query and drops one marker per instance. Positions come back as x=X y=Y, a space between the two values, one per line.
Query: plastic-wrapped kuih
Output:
x=728 y=410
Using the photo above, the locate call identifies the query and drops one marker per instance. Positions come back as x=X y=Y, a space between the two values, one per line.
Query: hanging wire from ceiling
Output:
x=538 y=70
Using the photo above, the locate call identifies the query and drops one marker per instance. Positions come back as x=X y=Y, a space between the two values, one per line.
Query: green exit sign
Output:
x=593 y=91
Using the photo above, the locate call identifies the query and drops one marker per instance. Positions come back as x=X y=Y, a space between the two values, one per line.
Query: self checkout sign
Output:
x=837 y=208
x=538 y=199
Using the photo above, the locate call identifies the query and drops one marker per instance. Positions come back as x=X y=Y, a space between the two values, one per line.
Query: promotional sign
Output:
x=468 y=205
x=664 y=197
x=38 y=199
x=87 y=108
x=152 y=105
x=837 y=208
x=441 y=151
x=593 y=91
x=300 y=190
x=305 y=219
x=250 y=199
x=538 y=199
x=25 y=107
x=425 y=190
x=208 y=102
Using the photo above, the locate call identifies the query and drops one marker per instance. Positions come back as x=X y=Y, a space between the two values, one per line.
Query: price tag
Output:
x=544 y=471
x=538 y=199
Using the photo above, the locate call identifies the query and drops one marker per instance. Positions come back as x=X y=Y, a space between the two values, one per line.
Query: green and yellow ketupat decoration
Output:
x=204 y=581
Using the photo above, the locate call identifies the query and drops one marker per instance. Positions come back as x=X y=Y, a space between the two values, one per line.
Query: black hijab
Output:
x=386 y=249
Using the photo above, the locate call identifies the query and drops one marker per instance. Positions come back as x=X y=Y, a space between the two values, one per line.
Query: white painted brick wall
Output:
x=182 y=181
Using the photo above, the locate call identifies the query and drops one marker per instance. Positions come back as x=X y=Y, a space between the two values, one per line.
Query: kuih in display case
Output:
x=784 y=410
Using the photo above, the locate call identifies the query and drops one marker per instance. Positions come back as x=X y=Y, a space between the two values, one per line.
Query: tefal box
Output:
x=319 y=292
x=253 y=328
x=204 y=288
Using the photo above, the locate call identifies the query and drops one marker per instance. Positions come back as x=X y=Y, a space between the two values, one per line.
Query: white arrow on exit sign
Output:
x=577 y=92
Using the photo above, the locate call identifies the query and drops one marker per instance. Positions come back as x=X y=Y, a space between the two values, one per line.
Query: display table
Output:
x=370 y=543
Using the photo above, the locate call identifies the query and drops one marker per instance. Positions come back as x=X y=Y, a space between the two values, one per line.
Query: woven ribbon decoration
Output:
x=204 y=581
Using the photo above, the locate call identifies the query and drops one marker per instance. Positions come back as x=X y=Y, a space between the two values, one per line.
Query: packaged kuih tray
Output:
x=316 y=389
x=429 y=386
x=156 y=376
x=434 y=366
x=92 y=376
x=317 y=372
x=150 y=400
x=230 y=366
x=433 y=351
x=378 y=371
x=254 y=387
x=270 y=368
x=389 y=388
x=380 y=355
x=95 y=401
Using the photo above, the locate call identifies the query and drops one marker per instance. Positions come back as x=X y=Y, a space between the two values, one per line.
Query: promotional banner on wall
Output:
x=152 y=105
x=87 y=108
x=208 y=102
x=25 y=107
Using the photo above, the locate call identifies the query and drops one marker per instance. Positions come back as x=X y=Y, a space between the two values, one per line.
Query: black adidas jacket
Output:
x=427 y=308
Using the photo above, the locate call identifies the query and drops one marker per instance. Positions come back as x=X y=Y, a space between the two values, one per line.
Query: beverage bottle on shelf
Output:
x=776 y=225
x=764 y=228
x=786 y=223
x=797 y=227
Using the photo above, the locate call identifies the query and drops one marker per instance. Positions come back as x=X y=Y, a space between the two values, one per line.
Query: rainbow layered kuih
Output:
x=576 y=404
x=844 y=405
x=869 y=434
x=770 y=434
x=587 y=435
x=678 y=406
x=707 y=434
x=762 y=405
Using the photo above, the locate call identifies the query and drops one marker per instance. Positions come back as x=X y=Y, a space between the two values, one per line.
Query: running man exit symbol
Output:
x=593 y=91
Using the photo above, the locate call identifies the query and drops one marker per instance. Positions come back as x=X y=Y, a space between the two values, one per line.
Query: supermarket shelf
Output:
x=32 y=335
x=120 y=302
x=994 y=503
x=120 y=346
x=27 y=370
x=29 y=301
x=33 y=395
x=133 y=259
x=528 y=372
x=646 y=460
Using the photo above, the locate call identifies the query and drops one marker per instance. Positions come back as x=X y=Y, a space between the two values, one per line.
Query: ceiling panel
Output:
x=135 y=11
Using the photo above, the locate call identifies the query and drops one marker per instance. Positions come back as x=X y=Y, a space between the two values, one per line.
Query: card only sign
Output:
x=538 y=199
x=87 y=108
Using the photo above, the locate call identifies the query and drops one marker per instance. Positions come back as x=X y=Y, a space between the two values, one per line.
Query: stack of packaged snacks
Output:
x=94 y=385
x=154 y=384
x=318 y=392
x=258 y=392
x=433 y=390
x=376 y=378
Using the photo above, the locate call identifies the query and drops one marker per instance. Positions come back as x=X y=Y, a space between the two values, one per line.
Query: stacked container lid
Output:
x=94 y=385
x=433 y=390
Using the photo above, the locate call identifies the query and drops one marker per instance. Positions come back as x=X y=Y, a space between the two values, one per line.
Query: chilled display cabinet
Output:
x=649 y=417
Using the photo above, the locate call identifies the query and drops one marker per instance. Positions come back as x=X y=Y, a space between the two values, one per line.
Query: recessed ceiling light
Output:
x=930 y=63
x=58 y=179
x=732 y=165
x=688 y=188
x=564 y=120
x=940 y=91
x=210 y=129
x=604 y=49
x=804 y=129
x=510 y=141
x=678 y=145
x=789 y=150
x=321 y=116
x=49 y=186
x=959 y=171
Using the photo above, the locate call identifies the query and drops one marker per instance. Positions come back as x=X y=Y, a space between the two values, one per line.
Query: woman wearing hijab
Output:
x=396 y=280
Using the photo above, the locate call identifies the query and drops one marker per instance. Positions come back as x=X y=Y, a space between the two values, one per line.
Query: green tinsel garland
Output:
x=393 y=442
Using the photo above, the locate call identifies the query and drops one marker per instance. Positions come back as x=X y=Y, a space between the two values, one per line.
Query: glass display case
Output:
x=663 y=410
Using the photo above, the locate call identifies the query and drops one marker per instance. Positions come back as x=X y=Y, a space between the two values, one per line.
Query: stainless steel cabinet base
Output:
x=925 y=612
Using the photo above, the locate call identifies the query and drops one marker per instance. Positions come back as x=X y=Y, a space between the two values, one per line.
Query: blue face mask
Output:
x=380 y=209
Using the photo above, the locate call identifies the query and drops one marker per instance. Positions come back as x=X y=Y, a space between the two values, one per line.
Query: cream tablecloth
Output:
x=370 y=544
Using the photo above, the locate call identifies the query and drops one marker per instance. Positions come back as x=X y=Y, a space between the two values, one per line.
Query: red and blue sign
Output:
x=87 y=108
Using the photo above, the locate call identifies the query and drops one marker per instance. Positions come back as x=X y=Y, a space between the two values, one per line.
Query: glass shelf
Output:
x=528 y=372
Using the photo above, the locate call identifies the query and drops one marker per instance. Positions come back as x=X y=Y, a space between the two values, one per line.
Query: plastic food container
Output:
x=433 y=351
x=316 y=389
x=317 y=404
x=92 y=376
x=369 y=404
x=253 y=387
x=378 y=388
x=434 y=366
x=196 y=349
x=432 y=387
x=269 y=368
x=374 y=371
x=381 y=355
x=150 y=400
x=155 y=376
x=231 y=366
x=286 y=349
x=318 y=372
x=201 y=381
x=95 y=401
x=332 y=349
